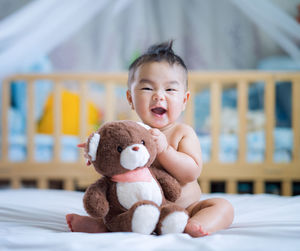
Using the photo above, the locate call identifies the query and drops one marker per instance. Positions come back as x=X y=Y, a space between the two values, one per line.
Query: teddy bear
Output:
x=133 y=194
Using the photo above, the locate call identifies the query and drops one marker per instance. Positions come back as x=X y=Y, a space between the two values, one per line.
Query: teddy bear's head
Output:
x=120 y=146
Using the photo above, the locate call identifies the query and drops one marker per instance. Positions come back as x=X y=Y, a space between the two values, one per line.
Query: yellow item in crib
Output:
x=70 y=115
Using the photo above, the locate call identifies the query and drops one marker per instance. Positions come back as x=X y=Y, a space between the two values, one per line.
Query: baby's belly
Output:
x=190 y=193
x=129 y=193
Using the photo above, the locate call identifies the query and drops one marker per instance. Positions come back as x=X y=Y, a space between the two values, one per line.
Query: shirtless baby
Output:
x=158 y=92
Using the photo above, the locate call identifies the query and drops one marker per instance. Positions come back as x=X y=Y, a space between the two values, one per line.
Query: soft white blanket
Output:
x=35 y=220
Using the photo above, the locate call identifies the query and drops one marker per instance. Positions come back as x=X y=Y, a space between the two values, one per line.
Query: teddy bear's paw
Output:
x=174 y=223
x=144 y=219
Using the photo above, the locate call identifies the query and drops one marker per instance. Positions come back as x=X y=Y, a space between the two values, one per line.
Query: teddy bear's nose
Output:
x=135 y=148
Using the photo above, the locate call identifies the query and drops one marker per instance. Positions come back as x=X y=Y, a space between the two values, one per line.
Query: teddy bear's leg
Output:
x=142 y=218
x=173 y=219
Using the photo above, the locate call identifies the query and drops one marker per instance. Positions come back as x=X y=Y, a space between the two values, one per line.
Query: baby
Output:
x=158 y=92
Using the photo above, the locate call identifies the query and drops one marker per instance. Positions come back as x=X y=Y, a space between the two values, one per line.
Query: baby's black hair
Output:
x=156 y=53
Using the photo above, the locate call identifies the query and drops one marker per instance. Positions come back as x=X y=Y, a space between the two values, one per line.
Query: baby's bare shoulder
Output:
x=185 y=130
x=181 y=133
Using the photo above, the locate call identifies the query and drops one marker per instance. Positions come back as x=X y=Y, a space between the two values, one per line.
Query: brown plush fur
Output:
x=101 y=198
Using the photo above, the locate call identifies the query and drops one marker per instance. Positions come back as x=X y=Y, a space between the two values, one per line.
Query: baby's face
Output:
x=158 y=93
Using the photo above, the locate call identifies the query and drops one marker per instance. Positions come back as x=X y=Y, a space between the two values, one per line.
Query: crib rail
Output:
x=285 y=173
x=73 y=174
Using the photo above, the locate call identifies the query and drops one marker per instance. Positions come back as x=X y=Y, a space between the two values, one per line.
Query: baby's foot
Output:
x=85 y=224
x=194 y=229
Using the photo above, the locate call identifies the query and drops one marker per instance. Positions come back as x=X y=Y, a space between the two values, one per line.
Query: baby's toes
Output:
x=69 y=219
x=195 y=230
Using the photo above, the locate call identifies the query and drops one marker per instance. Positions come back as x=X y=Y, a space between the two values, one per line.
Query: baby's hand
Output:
x=160 y=140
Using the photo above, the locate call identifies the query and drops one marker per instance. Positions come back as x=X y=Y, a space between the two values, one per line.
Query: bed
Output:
x=255 y=166
x=32 y=219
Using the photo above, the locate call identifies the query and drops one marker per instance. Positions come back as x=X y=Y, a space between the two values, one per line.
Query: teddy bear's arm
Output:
x=95 y=201
x=169 y=184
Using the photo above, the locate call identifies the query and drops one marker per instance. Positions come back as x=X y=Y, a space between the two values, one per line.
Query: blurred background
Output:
x=104 y=35
x=100 y=36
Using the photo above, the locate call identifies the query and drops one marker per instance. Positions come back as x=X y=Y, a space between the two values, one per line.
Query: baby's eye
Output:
x=170 y=90
x=147 y=89
x=143 y=142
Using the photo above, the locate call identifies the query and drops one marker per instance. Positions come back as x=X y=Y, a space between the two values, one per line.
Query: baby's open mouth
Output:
x=159 y=110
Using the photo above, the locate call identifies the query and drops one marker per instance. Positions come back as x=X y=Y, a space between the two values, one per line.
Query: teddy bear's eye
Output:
x=143 y=142
x=120 y=149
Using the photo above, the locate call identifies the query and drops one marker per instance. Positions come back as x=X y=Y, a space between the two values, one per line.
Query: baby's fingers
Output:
x=155 y=132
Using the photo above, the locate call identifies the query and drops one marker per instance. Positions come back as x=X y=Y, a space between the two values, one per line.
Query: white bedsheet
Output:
x=35 y=220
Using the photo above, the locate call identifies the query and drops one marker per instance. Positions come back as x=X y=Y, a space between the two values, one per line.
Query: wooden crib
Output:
x=76 y=175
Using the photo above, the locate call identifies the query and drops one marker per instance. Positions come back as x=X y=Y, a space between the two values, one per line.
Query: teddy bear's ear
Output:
x=93 y=146
x=144 y=125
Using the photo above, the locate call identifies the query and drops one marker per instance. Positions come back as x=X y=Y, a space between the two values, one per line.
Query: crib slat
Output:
x=259 y=186
x=110 y=101
x=69 y=184
x=231 y=186
x=215 y=100
x=5 y=107
x=296 y=118
x=204 y=184
x=15 y=182
x=57 y=102
x=287 y=187
x=30 y=121
x=242 y=113
x=83 y=116
x=42 y=183
x=270 y=119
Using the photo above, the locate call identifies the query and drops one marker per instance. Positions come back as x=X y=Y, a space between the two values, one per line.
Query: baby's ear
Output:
x=185 y=100
x=93 y=146
x=129 y=99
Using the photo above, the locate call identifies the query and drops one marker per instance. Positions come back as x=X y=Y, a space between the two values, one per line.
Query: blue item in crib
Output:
x=283 y=89
x=19 y=103
x=41 y=89
x=202 y=104
x=256 y=94
x=283 y=138
x=283 y=104
x=43 y=151
x=256 y=145
x=15 y=121
x=283 y=141
x=202 y=107
x=229 y=99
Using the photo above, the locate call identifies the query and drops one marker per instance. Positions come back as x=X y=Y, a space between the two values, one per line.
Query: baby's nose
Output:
x=158 y=96
x=135 y=148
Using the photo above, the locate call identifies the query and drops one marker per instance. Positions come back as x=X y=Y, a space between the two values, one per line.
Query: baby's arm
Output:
x=185 y=162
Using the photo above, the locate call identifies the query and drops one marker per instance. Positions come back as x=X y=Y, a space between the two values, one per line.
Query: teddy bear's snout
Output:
x=134 y=156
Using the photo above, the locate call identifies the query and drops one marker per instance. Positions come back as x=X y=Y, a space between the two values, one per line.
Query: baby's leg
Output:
x=85 y=224
x=209 y=216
